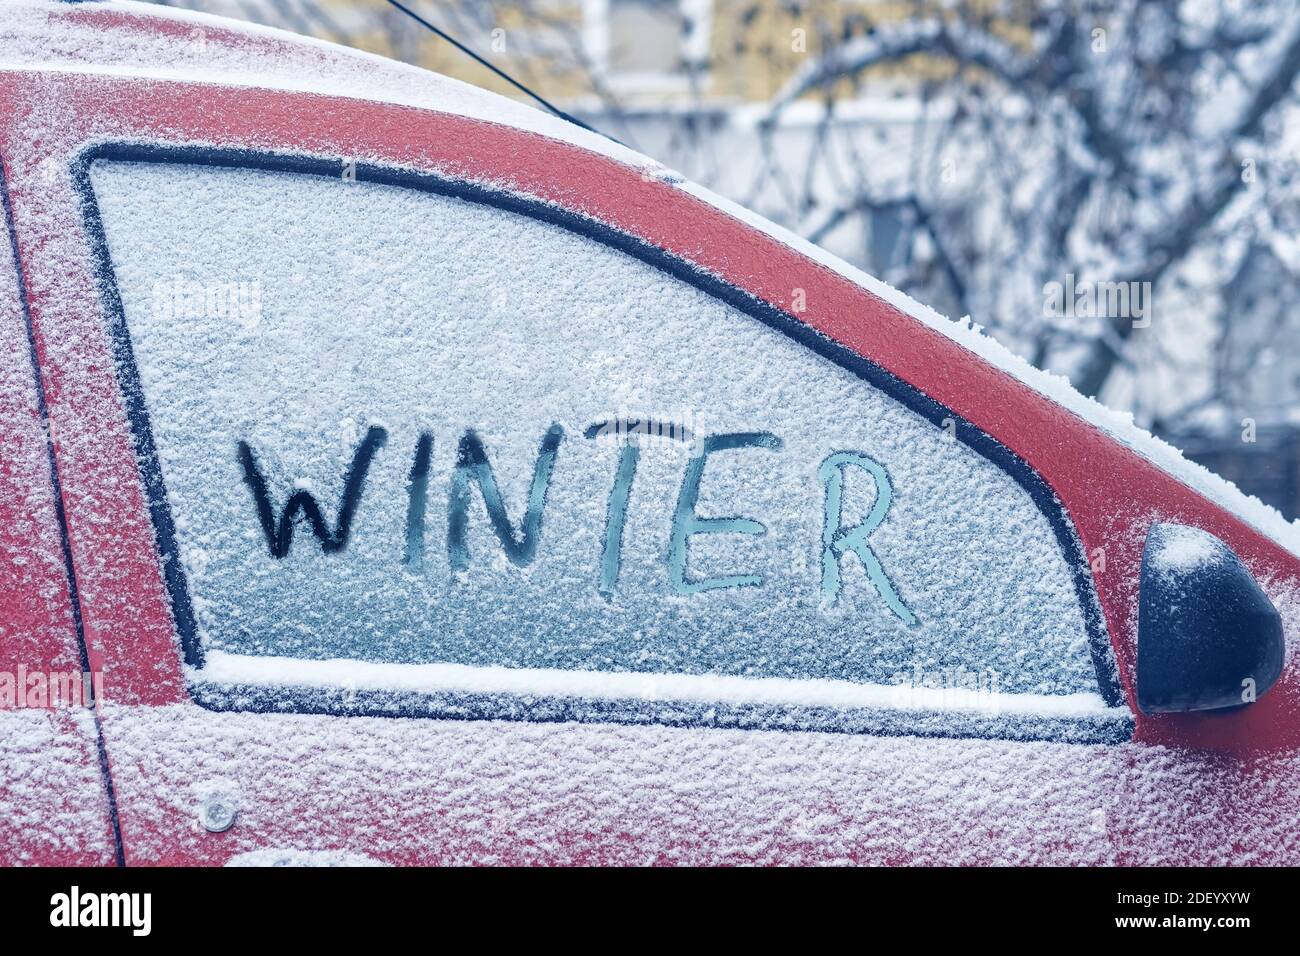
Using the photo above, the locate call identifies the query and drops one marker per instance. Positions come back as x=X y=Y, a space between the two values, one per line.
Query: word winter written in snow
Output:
x=472 y=468
x=74 y=908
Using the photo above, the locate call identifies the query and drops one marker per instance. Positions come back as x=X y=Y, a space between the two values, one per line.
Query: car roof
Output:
x=125 y=38
x=144 y=39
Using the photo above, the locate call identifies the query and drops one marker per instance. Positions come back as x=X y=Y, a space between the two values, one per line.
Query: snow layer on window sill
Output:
x=222 y=667
x=456 y=691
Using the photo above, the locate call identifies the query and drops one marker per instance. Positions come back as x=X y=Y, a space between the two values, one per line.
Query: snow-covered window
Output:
x=433 y=454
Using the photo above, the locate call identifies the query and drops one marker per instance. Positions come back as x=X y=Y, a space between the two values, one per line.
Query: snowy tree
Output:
x=1078 y=144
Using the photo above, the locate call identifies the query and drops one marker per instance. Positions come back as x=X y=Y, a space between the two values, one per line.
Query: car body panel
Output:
x=54 y=806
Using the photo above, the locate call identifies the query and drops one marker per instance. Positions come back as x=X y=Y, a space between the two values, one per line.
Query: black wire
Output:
x=501 y=73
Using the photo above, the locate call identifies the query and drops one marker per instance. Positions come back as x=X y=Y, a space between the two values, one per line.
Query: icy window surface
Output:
x=291 y=329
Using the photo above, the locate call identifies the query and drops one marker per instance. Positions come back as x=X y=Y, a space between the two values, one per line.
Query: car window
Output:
x=469 y=448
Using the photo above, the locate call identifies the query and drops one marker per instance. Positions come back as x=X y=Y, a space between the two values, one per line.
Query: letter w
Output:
x=280 y=537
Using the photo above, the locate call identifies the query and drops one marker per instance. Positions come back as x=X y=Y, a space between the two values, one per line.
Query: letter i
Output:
x=418 y=492
x=611 y=554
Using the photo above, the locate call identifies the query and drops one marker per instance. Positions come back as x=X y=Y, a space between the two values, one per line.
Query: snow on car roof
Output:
x=120 y=37
x=140 y=39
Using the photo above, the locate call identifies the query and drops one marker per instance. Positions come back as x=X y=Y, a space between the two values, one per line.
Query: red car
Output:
x=393 y=473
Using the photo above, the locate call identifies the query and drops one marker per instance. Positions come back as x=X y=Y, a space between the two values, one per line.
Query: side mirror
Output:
x=1208 y=637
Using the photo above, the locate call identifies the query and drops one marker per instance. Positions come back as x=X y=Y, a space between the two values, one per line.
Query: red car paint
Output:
x=1111 y=492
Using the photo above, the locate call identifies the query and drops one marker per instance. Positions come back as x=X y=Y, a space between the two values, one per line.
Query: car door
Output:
x=439 y=492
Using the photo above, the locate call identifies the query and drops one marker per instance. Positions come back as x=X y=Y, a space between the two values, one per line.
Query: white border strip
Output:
x=338 y=673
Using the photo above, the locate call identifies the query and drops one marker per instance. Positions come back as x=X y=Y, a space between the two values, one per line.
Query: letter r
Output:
x=838 y=540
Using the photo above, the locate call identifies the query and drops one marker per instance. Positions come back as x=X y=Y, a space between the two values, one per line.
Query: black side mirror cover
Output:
x=1208 y=637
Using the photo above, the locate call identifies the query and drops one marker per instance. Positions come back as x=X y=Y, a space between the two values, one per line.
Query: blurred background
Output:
x=1110 y=189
